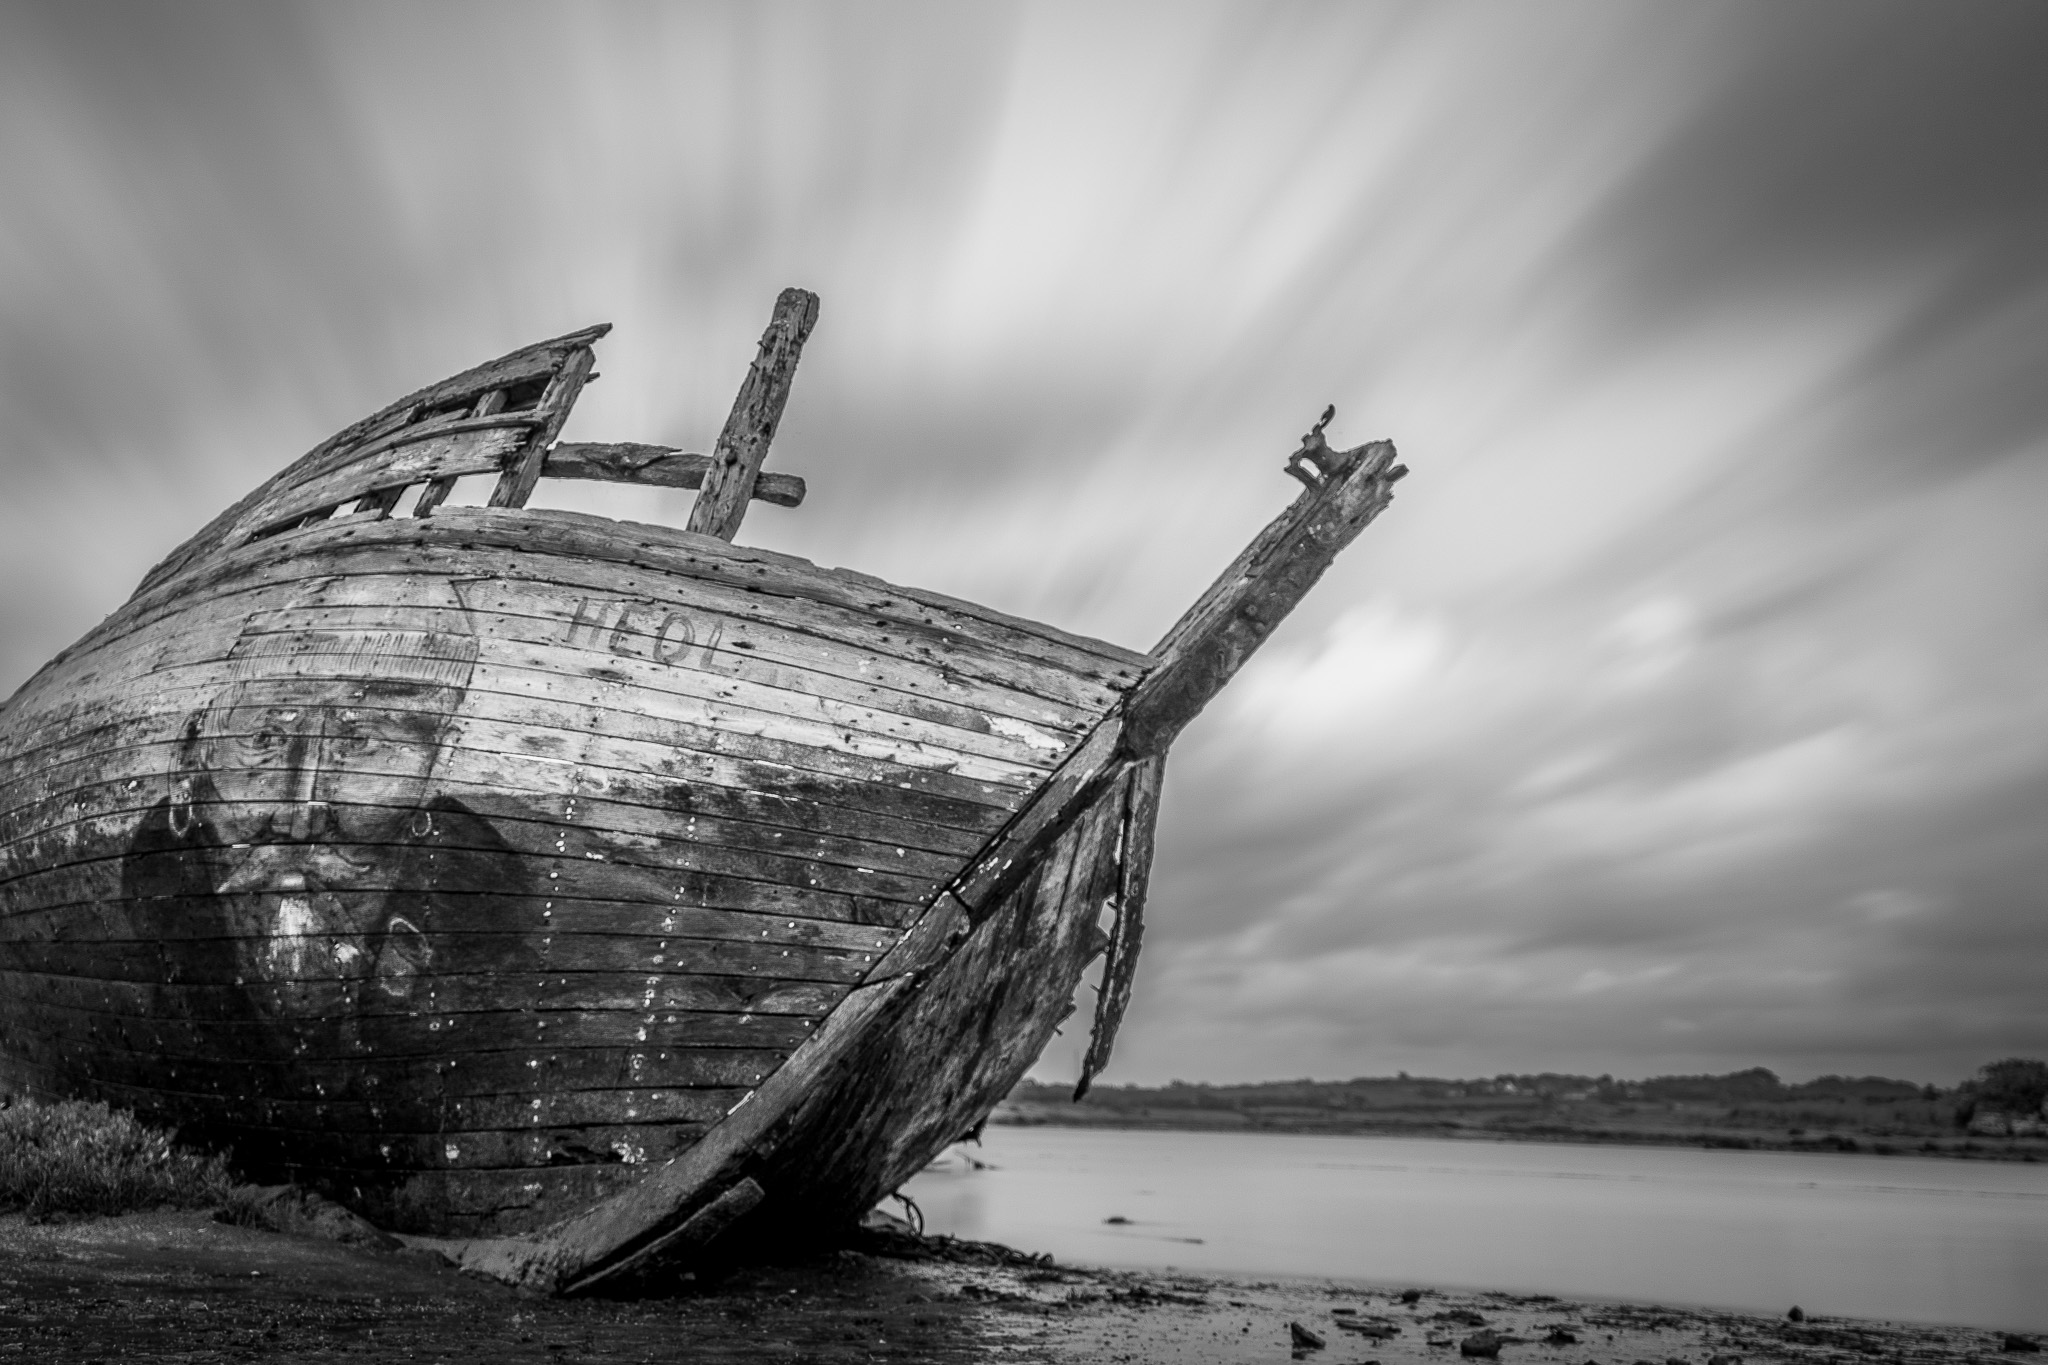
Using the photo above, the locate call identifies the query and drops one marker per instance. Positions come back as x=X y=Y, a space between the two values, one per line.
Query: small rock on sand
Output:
x=1795 y=1315
x=1117 y=1220
x=1303 y=1338
x=2015 y=1342
x=1411 y=1295
x=1485 y=1345
x=1560 y=1337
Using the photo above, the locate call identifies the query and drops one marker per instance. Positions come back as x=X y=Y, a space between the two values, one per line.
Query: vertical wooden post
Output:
x=743 y=445
x=515 y=485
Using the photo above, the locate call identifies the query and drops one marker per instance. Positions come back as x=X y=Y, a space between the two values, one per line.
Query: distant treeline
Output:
x=1758 y=1084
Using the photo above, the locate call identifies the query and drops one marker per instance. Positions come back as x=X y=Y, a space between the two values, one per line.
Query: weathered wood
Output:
x=607 y=1237
x=523 y=472
x=436 y=492
x=759 y=781
x=747 y=884
x=1120 y=955
x=148 y=959
x=570 y=548
x=523 y=366
x=690 y=1238
x=968 y=1028
x=756 y=411
x=457 y=993
x=563 y=1111
x=659 y=466
x=402 y=462
x=1207 y=646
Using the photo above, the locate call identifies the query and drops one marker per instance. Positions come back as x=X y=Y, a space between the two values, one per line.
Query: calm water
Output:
x=1909 y=1238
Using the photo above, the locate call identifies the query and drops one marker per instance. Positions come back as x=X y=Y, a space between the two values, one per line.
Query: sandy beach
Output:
x=180 y=1286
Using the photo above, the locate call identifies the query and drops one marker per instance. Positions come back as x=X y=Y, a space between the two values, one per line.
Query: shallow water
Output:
x=1905 y=1238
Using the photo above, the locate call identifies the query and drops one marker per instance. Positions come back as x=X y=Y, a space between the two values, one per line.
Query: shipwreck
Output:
x=579 y=892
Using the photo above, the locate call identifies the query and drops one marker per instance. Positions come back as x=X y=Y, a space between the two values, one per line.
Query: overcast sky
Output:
x=1689 y=708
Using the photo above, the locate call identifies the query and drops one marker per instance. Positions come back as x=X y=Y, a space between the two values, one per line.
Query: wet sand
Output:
x=181 y=1287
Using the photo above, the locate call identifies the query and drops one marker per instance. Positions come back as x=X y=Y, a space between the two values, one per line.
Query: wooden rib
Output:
x=448 y=454
x=436 y=492
x=756 y=411
x=658 y=466
x=525 y=364
x=1140 y=818
x=516 y=485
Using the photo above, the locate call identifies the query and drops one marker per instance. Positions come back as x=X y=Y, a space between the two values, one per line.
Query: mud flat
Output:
x=180 y=1286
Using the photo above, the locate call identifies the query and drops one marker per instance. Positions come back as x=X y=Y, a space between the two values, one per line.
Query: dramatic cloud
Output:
x=1688 y=708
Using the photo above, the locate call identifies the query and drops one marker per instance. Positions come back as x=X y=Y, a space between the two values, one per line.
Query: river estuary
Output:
x=1903 y=1238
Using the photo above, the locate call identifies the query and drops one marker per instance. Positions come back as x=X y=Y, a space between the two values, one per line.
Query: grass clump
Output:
x=73 y=1159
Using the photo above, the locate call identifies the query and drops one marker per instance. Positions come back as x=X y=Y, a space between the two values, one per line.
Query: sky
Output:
x=1688 y=710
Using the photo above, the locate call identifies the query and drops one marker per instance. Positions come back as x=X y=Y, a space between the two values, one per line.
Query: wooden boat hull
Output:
x=608 y=835
x=575 y=888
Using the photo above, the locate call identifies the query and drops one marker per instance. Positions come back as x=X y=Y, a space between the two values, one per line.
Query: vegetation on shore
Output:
x=73 y=1159
x=1983 y=1117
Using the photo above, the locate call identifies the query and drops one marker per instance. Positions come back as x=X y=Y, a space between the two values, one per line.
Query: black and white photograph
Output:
x=1072 y=683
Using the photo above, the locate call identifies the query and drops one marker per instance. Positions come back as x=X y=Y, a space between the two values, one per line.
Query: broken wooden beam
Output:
x=515 y=486
x=1214 y=638
x=1120 y=956
x=756 y=410
x=633 y=462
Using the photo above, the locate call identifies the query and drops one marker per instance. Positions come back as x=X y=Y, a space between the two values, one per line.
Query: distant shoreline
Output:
x=1964 y=1147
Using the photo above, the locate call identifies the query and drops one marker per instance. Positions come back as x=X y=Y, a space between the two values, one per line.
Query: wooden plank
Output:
x=656 y=466
x=686 y=625
x=1120 y=957
x=394 y=1078
x=575 y=535
x=405 y=460
x=509 y=371
x=691 y=1237
x=500 y=716
x=516 y=485
x=912 y=1087
x=564 y=549
x=437 y=491
x=101 y=820
x=756 y=411
x=1207 y=646
x=336 y=1154
x=92 y=797
x=455 y=993
x=559 y=1111
x=545 y=768
x=434 y=1033
x=602 y=1241
x=578 y=895
x=106 y=957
